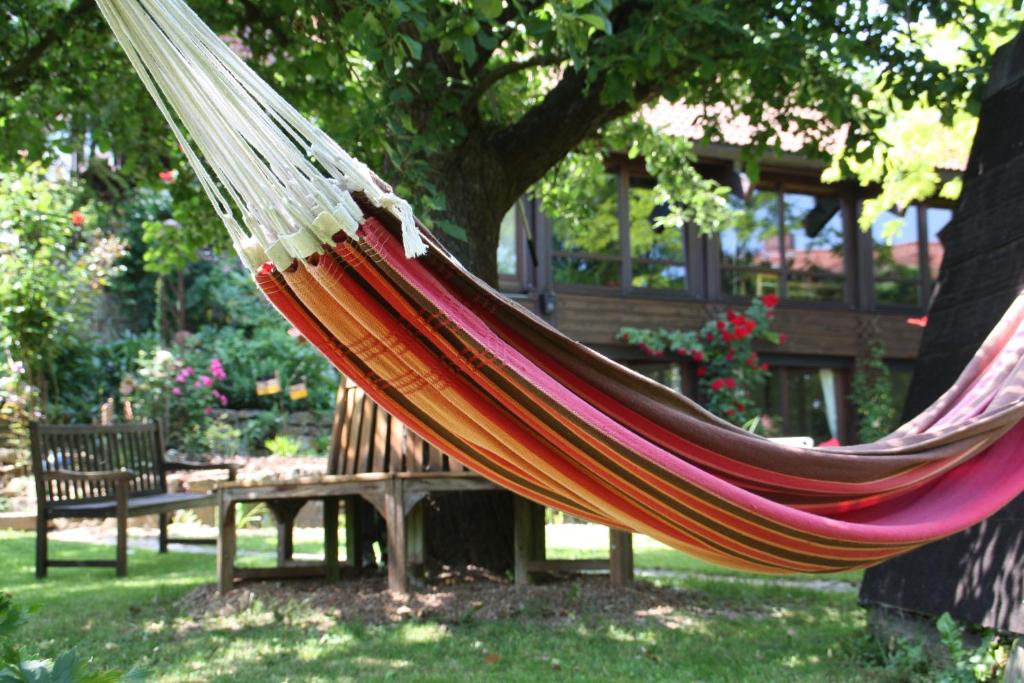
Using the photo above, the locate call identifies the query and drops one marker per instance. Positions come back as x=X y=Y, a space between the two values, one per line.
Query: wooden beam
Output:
x=528 y=538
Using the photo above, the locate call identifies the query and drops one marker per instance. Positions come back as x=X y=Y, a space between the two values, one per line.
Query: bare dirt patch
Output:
x=469 y=596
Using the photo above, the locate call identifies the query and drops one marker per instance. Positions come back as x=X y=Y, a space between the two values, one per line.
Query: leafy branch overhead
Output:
x=464 y=106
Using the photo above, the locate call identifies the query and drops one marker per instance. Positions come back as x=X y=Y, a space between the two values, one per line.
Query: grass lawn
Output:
x=733 y=631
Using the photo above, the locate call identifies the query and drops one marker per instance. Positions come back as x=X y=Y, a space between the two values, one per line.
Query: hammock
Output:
x=486 y=381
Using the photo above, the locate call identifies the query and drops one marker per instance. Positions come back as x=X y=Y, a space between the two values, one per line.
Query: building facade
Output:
x=797 y=238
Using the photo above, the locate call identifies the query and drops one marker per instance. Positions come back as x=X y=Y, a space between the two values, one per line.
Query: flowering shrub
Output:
x=729 y=369
x=171 y=388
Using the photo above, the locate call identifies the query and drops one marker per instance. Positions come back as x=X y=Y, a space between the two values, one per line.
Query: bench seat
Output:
x=152 y=504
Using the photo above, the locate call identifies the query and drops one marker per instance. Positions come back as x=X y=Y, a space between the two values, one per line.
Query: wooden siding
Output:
x=596 y=319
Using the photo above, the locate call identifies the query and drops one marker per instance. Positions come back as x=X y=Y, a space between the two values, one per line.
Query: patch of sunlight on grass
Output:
x=422 y=633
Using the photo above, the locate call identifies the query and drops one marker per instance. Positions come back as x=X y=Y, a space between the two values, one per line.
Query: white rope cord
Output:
x=259 y=159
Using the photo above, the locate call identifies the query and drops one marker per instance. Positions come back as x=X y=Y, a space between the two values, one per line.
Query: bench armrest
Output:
x=101 y=475
x=172 y=465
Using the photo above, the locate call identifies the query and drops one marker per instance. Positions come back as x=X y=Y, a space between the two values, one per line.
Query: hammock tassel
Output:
x=412 y=241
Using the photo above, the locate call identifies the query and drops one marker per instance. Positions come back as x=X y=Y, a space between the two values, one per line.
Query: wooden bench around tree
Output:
x=93 y=471
x=376 y=458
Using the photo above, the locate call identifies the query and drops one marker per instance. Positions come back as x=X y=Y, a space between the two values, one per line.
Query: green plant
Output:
x=871 y=393
x=284 y=445
x=222 y=437
x=53 y=261
x=970 y=665
x=729 y=370
x=66 y=668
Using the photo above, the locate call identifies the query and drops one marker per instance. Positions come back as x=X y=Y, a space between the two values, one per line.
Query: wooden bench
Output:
x=92 y=471
x=376 y=458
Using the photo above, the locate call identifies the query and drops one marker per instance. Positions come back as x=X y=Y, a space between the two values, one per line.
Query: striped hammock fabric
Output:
x=499 y=389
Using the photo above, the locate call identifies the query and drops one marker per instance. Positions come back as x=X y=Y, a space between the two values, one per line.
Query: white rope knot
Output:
x=411 y=238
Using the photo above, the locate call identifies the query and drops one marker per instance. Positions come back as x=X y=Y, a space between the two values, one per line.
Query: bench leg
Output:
x=398 y=576
x=122 y=529
x=41 y=547
x=353 y=535
x=285 y=512
x=528 y=534
x=164 y=521
x=620 y=561
x=331 y=538
x=225 y=545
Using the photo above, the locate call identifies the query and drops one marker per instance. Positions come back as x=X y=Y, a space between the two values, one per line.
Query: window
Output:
x=907 y=254
x=656 y=251
x=801 y=401
x=785 y=243
x=590 y=253
x=622 y=247
x=508 y=244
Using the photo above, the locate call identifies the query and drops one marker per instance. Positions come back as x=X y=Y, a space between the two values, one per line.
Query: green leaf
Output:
x=414 y=46
x=597 y=21
x=490 y=9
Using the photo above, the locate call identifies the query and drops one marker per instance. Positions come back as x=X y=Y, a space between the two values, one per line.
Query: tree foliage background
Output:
x=464 y=106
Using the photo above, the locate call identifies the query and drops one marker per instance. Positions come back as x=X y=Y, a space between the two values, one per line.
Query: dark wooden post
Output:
x=353 y=536
x=225 y=543
x=331 y=538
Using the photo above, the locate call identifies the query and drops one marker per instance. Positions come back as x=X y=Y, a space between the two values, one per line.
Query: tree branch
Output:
x=20 y=73
x=491 y=77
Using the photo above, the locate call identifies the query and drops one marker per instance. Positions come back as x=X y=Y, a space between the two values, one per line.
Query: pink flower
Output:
x=208 y=411
x=205 y=381
x=176 y=391
x=196 y=384
x=217 y=369
x=168 y=176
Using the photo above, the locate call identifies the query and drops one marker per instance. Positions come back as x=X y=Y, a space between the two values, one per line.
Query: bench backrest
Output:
x=365 y=438
x=95 y=448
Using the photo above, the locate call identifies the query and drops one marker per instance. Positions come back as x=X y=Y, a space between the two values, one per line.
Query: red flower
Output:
x=77 y=218
x=730 y=355
x=918 y=322
x=718 y=384
x=683 y=352
x=770 y=300
x=730 y=382
x=730 y=412
x=752 y=359
x=782 y=339
x=727 y=337
x=764 y=366
x=740 y=406
x=710 y=337
x=721 y=326
x=701 y=371
x=697 y=356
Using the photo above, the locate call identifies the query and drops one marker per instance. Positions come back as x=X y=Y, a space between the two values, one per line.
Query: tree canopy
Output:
x=464 y=106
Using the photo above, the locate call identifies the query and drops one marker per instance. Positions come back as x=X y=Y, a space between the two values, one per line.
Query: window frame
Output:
x=624 y=177
x=924 y=280
x=781 y=187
